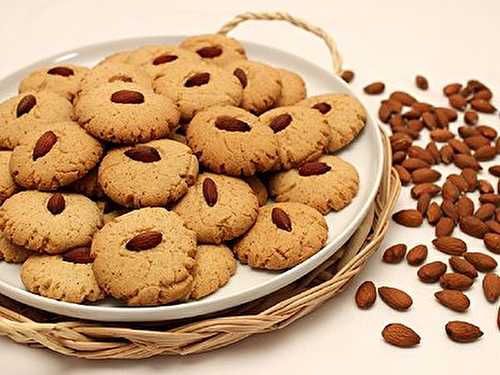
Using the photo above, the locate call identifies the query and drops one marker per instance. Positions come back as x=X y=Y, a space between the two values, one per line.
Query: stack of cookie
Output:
x=144 y=177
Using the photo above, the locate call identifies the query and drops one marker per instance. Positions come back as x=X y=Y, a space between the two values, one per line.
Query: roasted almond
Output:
x=314 y=168
x=455 y=281
x=482 y=262
x=427 y=188
x=432 y=149
x=209 y=52
x=452 y=89
x=483 y=106
x=423 y=203
x=485 y=153
x=366 y=295
x=487 y=131
x=374 y=88
x=210 y=194
x=144 y=241
x=441 y=135
x=143 y=154
x=408 y=218
x=399 y=143
x=476 y=141
x=281 y=219
x=420 y=153
x=198 y=79
x=395 y=298
x=450 y=191
x=450 y=245
x=417 y=255
x=61 y=71
x=242 y=77
x=81 y=255
x=421 y=82
x=322 y=107
x=164 y=59
x=494 y=170
x=459 y=181
x=347 y=75
x=25 y=105
x=403 y=97
x=431 y=272
x=44 y=144
x=400 y=335
x=465 y=206
x=466 y=161
x=231 y=124
x=494 y=226
x=404 y=175
x=424 y=175
x=446 y=152
x=127 y=97
x=462 y=332
x=450 y=210
x=434 y=213
x=463 y=266
x=490 y=198
x=422 y=107
x=56 y=204
x=453 y=299
x=459 y=146
x=471 y=117
x=430 y=122
x=492 y=242
x=491 y=287
x=470 y=175
x=468 y=131
x=450 y=114
x=457 y=101
x=444 y=227
x=473 y=226
x=485 y=211
x=412 y=164
x=398 y=157
x=280 y=122
x=394 y=254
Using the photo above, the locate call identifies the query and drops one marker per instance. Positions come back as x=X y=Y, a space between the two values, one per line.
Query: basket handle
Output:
x=281 y=16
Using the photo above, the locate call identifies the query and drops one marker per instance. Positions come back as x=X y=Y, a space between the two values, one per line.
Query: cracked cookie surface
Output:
x=215 y=48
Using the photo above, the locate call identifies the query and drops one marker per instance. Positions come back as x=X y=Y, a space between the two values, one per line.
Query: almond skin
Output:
x=56 y=204
x=25 y=105
x=450 y=245
x=281 y=219
x=127 y=97
x=482 y=262
x=209 y=188
x=144 y=154
x=462 y=332
x=408 y=218
x=280 y=122
x=453 y=299
x=394 y=254
x=491 y=287
x=199 y=79
x=231 y=124
x=400 y=335
x=144 y=241
x=209 y=52
x=395 y=298
x=455 y=281
x=417 y=255
x=314 y=168
x=44 y=144
x=242 y=77
x=431 y=272
x=463 y=266
x=366 y=295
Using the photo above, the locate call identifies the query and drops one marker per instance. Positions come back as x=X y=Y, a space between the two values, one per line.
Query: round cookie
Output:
x=293 y=88
x=258 y=188
x=145 y=257
x=56 y=277
x=54 y=155
x=20 y=114
x=218 y=208
x=328 y=184
x=260 y=82
x=151 y=174
x=88 y=186
x=11 y=253
x=214 y=267
x=121 y=112
x=302 y=134
x=50 y=223
x=196 y=86
x=345 y=115
x=7 y=185
x=115 y=72
x=232 y=141
x=215 y=48
x=284 y=235
x=61 y=79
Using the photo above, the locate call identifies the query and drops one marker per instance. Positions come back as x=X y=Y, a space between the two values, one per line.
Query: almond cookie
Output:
x=215 y=48
x=197 y=86
x=218 y=208
x=284 y=235
x=302 y=134
x=121 y=112
x=150 y=174
x=258 y=188
x=327 y=184
x=11 y=253
x=7 y=184
x=145 y=257
x=293 y=88
x=62 y=79
x=49 y=222
x=54 y=155
x=232 y=141
x=345 y=115
x=115 y=72
x=214 y=267
x=20 y=114
x=261 y=85
x=67 y=277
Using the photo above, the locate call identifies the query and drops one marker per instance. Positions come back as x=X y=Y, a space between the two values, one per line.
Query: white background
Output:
x=383 y=40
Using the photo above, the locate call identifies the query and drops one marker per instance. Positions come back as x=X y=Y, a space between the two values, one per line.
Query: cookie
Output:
x=258 y=188
x=196 y=86
x=11 y=253
x=214 y=267
x=7 y=185
x=293 y=88
x=61 y=277
x=145 y=257
x=88 y=186
x=151 y=174
x=115 y=72
x=344 y=113
x=302 y=134
x=232 y=141
x=284 y=235
x=215 y=48
x=218 y=208
x=260 y=82
x=54 y=155
x=120 y=57
x=121 y=112
x=328 y=184
x=20 y=114
x=61 y=79
x=50 y=223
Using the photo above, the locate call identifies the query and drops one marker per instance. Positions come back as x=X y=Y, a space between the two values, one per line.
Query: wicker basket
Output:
x=93 y=340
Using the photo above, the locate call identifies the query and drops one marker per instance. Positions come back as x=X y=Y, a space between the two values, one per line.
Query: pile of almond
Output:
x=445 y=202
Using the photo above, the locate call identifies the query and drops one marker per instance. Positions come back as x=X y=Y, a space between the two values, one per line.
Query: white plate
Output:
x=247 y=284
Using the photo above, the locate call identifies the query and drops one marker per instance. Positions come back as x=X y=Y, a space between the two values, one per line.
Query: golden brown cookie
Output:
x=12 y=253
x=7 y=184
x=258 y=188
x=215 y=48
x=293 y=88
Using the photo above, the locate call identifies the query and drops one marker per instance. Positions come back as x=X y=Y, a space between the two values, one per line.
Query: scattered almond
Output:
x=453 y=299
x=366 y=295
x=400 y=335
x=482 y=262
x=462 y=332
x=417 y=255
x=431 y=272
x=408 y=218
x=394 y=254
x=455 y=281
x=395 y=298
x=463 y=266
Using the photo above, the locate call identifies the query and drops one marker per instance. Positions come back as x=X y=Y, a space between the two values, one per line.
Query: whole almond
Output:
x=423 y=203
x=494 y=170
x=446 y=152
x=491 y=287
x=450 y=114
x=44 y=144
x=25 y=105
x=164 y=59
x=471 y=117
x=444 y=227
x=424 y=175
x=468 y=132
x=366 y=295
x=400 y=335
x=56 y=204
x=490 y=198
x=144 y=241
x=450 y=191
x=457 y=101
x=482 y=262
x=412 y=164
x=242 y=77
x=422 y=107
x=398 y=157
x=432 y=149
x=463 y=266
x=483 y=106
x=453 y=299
x=420 y=153
x=459 y=181
x=384 y=113
x=314 y=168
x=428 y=188
x=465 y=206
x=127 y=97
x=143 y=154
x=347 y=75
x=198 y=79
x=459 y=146
x=450 y=210
x=470 y=175
x=492 y=242
x=231 y=124
x=485 y=153
x=487 y=131
x=396 y=120
x=455 y=281
x=452 y=89
x=485 y=211
x=374 y=88
x=209 y=189
x=395 y=298
x=450 y=245
x=473 y=226
x=466 y=161
x=462 y=332
x=434 y=213
x=280 y=122
x=494 y=226
x=411 y=115
x=485 y=94
x=81 y=255
x=394 y=254
x=444 y=116
x=408 y=218
x=477 y=141
x=404 y=175
x=400 y=143
x=323 y=108
x=441 y=135
x=209 y=52
x=431 y=272
x=417 y=255
x=421 y=82
x=403 y=97
x=281 y=219
x=61 y=71
x=430 y=122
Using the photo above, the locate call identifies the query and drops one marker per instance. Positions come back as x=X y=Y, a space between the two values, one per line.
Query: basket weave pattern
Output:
x=113 y=341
